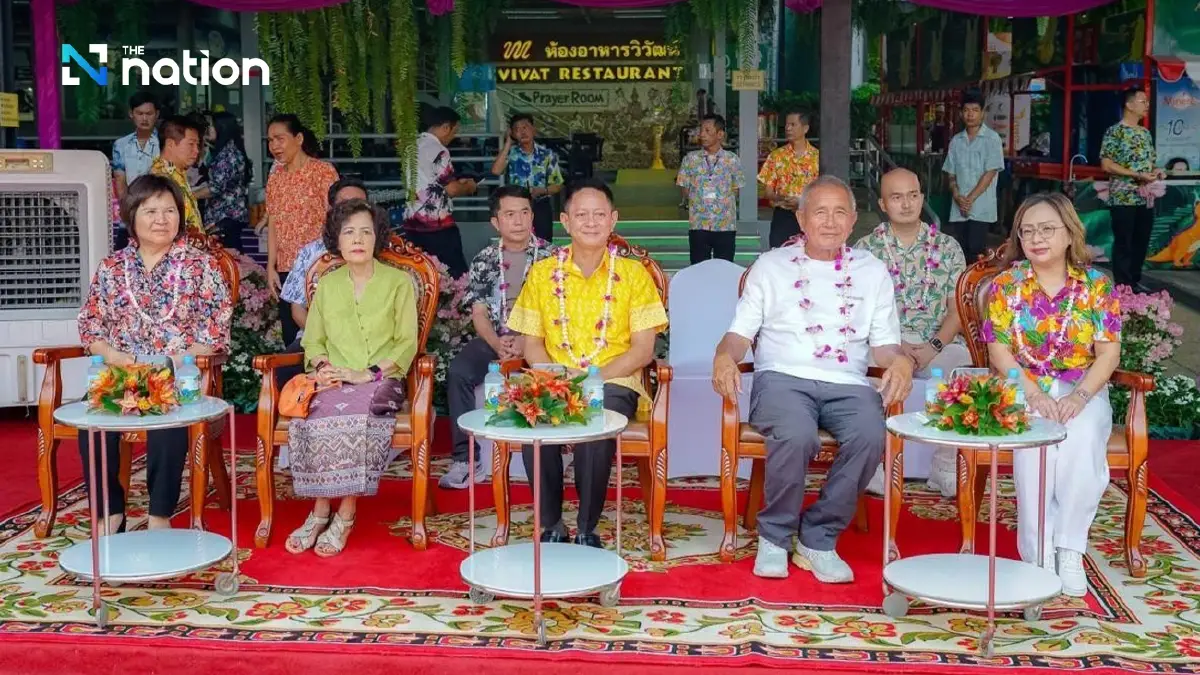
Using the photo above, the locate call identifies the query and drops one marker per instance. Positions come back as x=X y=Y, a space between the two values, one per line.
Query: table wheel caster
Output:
x=479 y=596
x=226 y=583
x=102 y=615
x=895 y=605
x=610 y=596
x=1033 y=613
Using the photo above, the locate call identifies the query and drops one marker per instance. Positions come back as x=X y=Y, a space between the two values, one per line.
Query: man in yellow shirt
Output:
x=584 y=307
x=180 y=138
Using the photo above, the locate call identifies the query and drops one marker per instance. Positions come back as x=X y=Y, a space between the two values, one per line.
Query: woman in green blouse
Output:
x=361 y=335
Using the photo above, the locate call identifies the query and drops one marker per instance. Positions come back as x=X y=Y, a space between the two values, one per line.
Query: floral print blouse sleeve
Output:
x=94 y=315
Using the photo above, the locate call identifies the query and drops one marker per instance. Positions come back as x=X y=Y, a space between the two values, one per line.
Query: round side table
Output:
x=965 y=580
x=569 y=570
x=150 y=555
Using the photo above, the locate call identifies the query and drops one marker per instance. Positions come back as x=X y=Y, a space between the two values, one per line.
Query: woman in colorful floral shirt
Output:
x=156 y=297
x=1057 y=320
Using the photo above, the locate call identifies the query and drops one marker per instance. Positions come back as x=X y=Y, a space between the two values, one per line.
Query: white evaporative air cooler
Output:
x=55 y=228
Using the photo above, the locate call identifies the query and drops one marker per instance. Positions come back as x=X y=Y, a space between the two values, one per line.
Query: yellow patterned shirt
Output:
x=787 y=173
x=191 y=211
x=636 y=306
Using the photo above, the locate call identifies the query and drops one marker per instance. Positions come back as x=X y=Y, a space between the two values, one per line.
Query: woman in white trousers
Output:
x=1056 y=320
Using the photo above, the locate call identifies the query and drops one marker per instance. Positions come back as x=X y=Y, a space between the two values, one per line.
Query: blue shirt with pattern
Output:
x=712 y=182
x=537 y=169
x=967 y=160
x=132 y=159
x=293 y=288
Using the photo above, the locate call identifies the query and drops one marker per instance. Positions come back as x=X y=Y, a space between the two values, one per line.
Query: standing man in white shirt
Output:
x=974 y=160
x=820 y=312
x=132 y=154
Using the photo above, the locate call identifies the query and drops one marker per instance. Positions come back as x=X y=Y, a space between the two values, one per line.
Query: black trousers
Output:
x=166 y=455
x=230 y=231
x=706 y=244
x=286 y=322
x=593 y=466
x=445 y=245
x=466 y=372
x=784 y=226
x=1131 y=226
x=972 y=237
x=543 y=218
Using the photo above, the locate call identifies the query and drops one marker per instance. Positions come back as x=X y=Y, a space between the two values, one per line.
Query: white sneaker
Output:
x=826 y=566
x=875 y=487
x=771 y=561
x=1070 y=570
x=457 y=476
x=943 y=472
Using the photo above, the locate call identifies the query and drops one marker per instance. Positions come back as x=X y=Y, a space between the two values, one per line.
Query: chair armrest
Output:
x=267 y=363
x=1139 y=382
x=731 y=425
x=661 y=403
x=48 y=355
x=210 y=366
x=747 y=367
x=421 y=390
x=876 y=372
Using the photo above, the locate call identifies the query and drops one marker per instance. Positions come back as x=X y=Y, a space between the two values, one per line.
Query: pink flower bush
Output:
x=1148 y=336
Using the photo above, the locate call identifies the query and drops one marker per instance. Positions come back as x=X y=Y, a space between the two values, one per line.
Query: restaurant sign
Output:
x=610 y=73
x=583 y=48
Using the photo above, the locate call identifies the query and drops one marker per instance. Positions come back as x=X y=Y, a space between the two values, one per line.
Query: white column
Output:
x=252 y=102
x=718 y=84
x=748 y=130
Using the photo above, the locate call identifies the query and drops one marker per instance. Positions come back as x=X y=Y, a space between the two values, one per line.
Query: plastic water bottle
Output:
x=931 y=389
x=95 y=370
x=1014 y=381
x=593 y=390
x=493 y=386
x=187 y=381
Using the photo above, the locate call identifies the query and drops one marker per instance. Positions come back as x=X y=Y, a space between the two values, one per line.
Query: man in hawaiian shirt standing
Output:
x=1127 y=155
x=180 y=139
x=531 y=165
x=133 y=154
x=924 y=265
x=710 y=178
x=497 y=275
x=974 y=160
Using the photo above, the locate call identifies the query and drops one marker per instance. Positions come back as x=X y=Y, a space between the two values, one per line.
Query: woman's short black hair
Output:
x=295 y=127
x=340 y=213
x=143 y=188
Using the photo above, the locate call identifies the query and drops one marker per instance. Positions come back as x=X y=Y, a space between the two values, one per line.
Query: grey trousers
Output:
x=593 y=466
x=787 y=411
x=466 y=372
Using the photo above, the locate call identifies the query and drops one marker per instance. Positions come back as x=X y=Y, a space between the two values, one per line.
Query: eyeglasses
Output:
x=1042 y=231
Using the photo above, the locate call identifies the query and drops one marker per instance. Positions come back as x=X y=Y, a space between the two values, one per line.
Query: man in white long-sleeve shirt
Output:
x=820 y=312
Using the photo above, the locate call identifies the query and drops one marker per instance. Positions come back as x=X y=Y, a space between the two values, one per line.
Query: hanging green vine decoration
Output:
x=679 y=25
x=404 y=39
x=458 y=38
x=747 y=25
x=378 y=64
x=314 y=95
x=340 y=58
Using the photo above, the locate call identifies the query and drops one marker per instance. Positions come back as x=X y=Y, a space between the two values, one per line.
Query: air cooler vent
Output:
x=40 y=250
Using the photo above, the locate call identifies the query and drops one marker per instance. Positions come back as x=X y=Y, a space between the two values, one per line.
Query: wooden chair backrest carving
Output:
x=971 y=298
x=225 y=261
x=405 y=256
x=628 y=250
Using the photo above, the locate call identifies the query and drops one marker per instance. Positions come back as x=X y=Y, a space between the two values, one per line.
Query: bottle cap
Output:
x=936 y=372
x=593 y=370
x=189 y=359
x=97 y=360
x=1013 y=373
x=493 y=367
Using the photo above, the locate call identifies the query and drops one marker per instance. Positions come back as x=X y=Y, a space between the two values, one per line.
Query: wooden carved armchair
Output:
x=645 y=442
x=204 y=439
x=739 y=440
x=1128 y=446
x=414 y=424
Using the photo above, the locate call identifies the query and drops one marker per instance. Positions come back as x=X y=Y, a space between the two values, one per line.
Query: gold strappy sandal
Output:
x=307 y=534
x=333 y=540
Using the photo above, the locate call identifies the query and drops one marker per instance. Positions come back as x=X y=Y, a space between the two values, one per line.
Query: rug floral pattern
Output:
x=1150 y=624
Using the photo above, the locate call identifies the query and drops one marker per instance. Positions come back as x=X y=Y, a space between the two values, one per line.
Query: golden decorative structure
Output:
x=657 y=130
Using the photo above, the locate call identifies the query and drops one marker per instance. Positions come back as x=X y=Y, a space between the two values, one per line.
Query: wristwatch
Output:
x=937 y=344
x=376 y=373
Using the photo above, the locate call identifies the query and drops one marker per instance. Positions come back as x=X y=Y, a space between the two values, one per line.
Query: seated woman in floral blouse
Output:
x=1057 y=320
x=361 y=334
x=156 y=297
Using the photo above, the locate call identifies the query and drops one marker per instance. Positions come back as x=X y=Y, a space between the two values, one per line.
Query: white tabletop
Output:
x=568 y=570
x=913 y=426
x=148 y=555
x=612 y=424
x=77 y=415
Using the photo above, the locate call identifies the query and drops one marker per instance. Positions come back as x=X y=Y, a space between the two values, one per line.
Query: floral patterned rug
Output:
x=691 y=609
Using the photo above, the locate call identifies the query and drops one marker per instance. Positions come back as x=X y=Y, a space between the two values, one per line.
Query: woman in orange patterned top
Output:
x=785 y=173
x=1056 y=320
x=296 y=203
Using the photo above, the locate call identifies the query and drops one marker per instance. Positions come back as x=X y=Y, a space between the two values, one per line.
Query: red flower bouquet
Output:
x=977 y=406
x=542 y=397
x=140 y=389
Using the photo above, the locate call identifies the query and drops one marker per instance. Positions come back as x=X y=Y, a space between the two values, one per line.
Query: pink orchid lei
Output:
x=840 y=264
x=559 y=277
x=933 y=260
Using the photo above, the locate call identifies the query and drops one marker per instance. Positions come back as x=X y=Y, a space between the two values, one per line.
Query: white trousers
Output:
x=1076 y=478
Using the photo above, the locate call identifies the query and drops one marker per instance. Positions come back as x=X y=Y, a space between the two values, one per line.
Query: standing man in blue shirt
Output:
x=133 y=154
x=531 y=165
x=974 y=159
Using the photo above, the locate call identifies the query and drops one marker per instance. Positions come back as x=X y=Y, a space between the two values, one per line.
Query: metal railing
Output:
x=876 y=161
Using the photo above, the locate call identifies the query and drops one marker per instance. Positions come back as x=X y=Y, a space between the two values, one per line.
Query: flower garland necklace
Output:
x=933 y=260
x=537 y=246
x=173 y=278
x=1054 y=341
x=840 y=264
x=559 y=277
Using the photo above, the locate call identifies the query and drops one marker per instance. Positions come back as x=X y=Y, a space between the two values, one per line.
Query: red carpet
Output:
x=327 y=615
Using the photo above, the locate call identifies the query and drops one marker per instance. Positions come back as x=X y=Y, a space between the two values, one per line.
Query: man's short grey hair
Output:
x=826 y=180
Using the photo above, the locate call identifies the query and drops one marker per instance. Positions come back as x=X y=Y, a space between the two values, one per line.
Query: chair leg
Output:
x=264 y=477
x=47 y=479
x=729 y=501
x=968 y=503
x=420 y=489
x=658 y=547
x=754 y=500
x=896 y=495
x=1135 y=517
x=646 y=479
x=198 y=443
x=217 y=471
x=501 y=458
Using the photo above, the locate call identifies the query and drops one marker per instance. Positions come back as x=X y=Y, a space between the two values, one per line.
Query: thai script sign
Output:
x=584 y=48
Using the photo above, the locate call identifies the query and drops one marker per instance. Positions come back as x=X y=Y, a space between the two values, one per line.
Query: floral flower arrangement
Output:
x=542 y=397
x=451 y=330
x=255 y=330
x=136 y=390
x=1148 y=340
x=977 y=406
